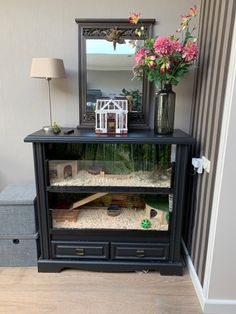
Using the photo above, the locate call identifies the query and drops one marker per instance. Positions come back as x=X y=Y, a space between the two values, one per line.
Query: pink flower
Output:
x=134 y=18
x=139 y=56
x=165 y=66
x=193 y=11
x=166 y=46
x=163 y=46
x=185 y=20
x=177 y=46
x=166 y=58
x=190 y=51
x=150 y=61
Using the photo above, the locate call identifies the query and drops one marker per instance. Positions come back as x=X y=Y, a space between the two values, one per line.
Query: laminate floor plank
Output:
x=25 y=291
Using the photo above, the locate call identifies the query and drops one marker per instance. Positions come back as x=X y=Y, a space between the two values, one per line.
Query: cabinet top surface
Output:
x=89 y=136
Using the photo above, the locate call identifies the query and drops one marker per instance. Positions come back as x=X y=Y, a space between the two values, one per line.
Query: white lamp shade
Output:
x=47 y=68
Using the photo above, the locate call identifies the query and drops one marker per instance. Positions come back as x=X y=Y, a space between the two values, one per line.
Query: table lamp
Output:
x=47 y=68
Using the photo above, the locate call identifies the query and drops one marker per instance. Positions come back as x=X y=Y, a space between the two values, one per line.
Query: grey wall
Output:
x=33 y=28
x=112 y=82
x=217 y=20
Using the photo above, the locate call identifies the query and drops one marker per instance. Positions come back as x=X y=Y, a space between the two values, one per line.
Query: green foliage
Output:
x=137 y=98
x=115 y=158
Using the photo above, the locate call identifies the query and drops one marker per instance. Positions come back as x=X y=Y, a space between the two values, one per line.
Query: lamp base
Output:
x=47 y=129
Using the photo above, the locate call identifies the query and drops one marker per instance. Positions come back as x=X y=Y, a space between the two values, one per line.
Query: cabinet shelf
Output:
x=109 y=189
x=103 y=234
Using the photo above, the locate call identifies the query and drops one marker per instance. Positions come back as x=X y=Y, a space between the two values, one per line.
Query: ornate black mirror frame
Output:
x=98 y=29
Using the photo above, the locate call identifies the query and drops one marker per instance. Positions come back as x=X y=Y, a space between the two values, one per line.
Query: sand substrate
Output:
x=134 y=179
x=99 y=219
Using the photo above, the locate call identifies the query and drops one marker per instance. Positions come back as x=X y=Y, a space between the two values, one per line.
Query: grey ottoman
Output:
x=18 y=226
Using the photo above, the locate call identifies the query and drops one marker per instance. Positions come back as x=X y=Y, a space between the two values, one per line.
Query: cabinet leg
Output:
x=49 y=268
x=175 y=271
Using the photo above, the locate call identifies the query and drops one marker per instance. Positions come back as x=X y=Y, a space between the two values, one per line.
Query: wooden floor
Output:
x=25 y=291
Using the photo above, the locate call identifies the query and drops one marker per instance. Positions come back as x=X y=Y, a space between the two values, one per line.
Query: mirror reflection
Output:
x=109 y=73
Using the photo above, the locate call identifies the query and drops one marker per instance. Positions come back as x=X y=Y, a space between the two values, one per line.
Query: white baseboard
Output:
x=220 y=306
x=210 y=306
x=196 y=283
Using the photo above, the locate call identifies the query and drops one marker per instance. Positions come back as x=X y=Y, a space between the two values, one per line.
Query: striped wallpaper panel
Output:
x=215 y=34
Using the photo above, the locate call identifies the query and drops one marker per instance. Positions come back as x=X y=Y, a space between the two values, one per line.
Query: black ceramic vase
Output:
x=164 y=114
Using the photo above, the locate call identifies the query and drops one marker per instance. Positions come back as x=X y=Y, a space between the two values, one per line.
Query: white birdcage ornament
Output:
x=111 y=116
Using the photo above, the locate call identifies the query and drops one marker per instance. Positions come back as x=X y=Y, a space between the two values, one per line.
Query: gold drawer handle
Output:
x=80 y=251
x=140 y=253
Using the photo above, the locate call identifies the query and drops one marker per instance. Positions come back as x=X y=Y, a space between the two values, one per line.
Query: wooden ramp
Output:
x=87 y=200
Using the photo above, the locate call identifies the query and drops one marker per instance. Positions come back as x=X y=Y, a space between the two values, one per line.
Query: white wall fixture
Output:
x=197 y=164
x=206 y=164
x=201 y=164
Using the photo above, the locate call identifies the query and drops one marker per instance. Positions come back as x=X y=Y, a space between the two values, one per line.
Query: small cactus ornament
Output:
x=55 y=128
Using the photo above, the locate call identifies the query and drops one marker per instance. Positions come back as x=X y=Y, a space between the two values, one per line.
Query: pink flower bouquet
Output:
x=166 y=59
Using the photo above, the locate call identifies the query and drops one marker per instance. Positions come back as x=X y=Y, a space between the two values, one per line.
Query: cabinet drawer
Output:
x=140 y=251
x=80 y=250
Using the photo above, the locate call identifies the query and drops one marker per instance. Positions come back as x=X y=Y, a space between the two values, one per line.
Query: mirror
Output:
x=106 y=59
x=109 y=73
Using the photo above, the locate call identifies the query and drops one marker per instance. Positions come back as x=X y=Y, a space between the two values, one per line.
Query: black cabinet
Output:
x=111 y=203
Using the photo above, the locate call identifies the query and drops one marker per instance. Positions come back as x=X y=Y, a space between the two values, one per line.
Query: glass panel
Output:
x=133 y=165
x=109 y=73
x=111 y=211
